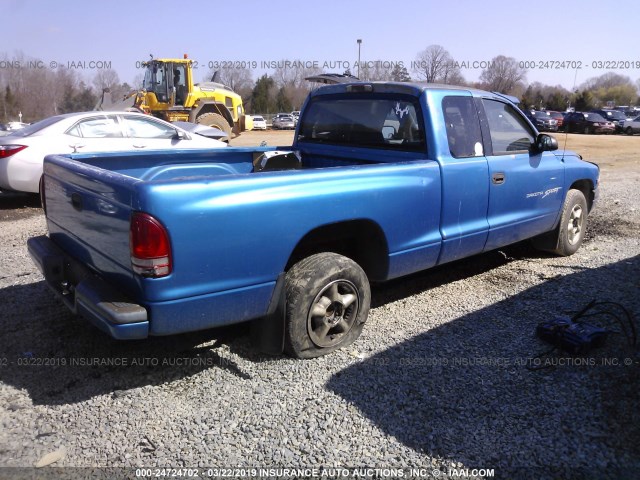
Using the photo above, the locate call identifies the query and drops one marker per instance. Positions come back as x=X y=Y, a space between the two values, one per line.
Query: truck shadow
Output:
x=459 y=388
x=14 y=205
x=58 y=358
x=404 y=287
x=13 y=200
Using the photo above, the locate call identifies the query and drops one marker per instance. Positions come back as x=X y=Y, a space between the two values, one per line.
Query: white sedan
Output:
x=259 y=123
x=632 y=126
x=23 y=151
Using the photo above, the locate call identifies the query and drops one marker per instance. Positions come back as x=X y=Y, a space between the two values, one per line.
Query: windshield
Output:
x=155 y=78
x=36 y=127
x=615 y=115
x=594 y=117
x=381 y=121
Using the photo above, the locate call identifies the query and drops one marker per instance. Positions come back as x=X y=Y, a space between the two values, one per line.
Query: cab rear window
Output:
x=389 y=122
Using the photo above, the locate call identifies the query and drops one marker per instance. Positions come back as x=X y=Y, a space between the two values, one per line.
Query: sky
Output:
x=596 y=36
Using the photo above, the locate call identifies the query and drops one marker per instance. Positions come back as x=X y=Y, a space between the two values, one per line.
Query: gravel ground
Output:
x=439 y=379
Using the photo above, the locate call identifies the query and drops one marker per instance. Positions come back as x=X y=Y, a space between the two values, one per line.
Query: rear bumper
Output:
x=87 y=295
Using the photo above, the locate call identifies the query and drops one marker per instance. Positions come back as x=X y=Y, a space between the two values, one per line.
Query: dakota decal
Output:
x=544 y=194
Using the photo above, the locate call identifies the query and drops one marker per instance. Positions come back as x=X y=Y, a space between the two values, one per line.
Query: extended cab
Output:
x=382 y=180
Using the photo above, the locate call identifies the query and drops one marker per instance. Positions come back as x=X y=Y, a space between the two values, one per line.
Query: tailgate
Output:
x=88 y=211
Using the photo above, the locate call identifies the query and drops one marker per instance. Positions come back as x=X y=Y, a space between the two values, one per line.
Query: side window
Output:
x=75 y=131
x=179 y=84
x=161 y=77
x=509 y=131
x=463 y=127
x=178 y=76
x=97 y=127
x=147 y=128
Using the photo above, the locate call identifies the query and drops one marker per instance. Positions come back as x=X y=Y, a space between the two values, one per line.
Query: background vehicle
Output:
x=278 y=115
x=558 y=117
x=22 y=152
x=584 y=122
x=369 y=191
x=632 y=126
x=15 y=125
x=614 y=116
x=7 y=128
x=259 y=123
x=169 y=92
x=631 y=114
x=283 y=122
x=543 y=121
x=203 y=130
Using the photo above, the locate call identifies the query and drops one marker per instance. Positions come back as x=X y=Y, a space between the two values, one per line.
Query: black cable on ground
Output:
x=565 y=332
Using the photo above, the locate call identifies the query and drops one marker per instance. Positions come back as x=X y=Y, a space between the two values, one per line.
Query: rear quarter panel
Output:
x=240 y=231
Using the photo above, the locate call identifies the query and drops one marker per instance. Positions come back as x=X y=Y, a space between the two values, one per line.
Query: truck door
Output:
x=526 y=187
x=465 y=180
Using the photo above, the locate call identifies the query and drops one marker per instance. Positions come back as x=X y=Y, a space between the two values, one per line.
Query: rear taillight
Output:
x=150 y=247
x=8 y=150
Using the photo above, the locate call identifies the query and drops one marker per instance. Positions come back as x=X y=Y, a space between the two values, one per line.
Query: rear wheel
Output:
x=215 y=120
x=587 y=130
x=629 y=131
x=328 y=300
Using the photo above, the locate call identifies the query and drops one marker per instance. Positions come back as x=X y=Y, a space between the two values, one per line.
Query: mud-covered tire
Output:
x=573 y=224
x=327 y=303
x=215 y=120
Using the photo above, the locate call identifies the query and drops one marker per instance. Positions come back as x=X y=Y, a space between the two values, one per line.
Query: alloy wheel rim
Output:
x=333 y=313
x=574 y=227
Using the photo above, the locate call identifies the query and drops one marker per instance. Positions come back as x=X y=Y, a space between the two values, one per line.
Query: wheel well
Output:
x=360 y=240
x=212 y=107
x=586 y=187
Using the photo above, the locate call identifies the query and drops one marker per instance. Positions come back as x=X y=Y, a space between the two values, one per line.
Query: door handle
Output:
x=498 y=178
x=139 y=145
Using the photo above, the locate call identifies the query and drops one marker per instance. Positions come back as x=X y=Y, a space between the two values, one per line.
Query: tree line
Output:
x=39 y=93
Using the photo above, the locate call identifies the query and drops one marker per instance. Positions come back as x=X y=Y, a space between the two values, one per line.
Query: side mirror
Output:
x=546 y=143
x=180 y=135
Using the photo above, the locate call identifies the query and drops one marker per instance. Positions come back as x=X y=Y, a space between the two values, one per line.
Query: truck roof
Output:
x=407 y=88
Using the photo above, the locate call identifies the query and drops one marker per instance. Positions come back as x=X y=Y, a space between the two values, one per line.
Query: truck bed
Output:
x=178 y=165
x=236 y=228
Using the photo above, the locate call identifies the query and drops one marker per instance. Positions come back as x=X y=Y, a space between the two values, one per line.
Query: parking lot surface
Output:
x=448 y=372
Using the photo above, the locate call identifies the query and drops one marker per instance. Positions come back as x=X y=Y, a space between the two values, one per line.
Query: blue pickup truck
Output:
x=382 y=180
